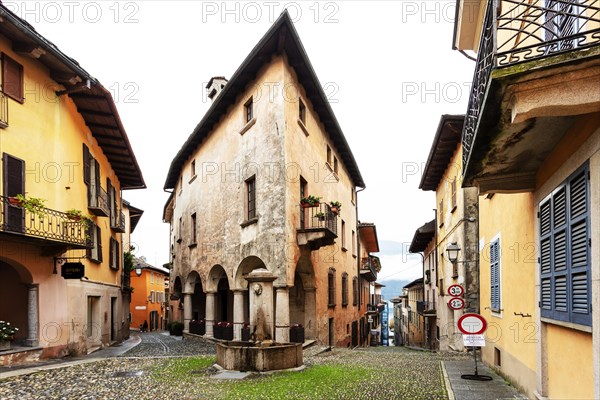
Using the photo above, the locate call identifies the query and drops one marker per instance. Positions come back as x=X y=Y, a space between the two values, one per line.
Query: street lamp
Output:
x=453 y=249
x=138 y=270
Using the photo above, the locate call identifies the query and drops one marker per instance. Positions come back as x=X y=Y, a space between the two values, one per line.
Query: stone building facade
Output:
x=268 y=140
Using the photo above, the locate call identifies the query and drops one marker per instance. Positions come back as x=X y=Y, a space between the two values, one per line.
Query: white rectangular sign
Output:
x=140 y=307
x=474 y=340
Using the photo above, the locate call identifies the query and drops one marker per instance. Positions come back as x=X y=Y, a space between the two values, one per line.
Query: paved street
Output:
x=162 y=367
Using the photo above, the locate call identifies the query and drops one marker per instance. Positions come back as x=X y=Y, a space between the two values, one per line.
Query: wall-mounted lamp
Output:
x=138 y=270
x=453 y=249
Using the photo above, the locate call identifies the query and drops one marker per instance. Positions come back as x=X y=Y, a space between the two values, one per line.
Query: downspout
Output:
x=358 y=249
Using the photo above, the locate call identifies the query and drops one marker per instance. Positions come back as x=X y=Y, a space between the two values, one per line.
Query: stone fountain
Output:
x=261 y=353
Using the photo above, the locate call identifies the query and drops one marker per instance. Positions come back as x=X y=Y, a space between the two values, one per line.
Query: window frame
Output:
x=331 y=288
x=194 y=238
x=250 y=199
x=495 y=256
x=249 y=110
x=301 y=111
x=344 y=289
x=95 y=234
x=19 y=96
x=355 y=291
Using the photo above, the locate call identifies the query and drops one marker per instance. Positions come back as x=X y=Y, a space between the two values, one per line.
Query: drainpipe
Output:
x=358 y=249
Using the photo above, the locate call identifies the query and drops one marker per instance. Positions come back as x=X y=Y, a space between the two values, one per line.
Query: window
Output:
x=354 y=291
x=344 y=235
x=353 y=195
x=180 y=184
x=151 y=277
x=328 y=155
x=453 y=188
x=251 y=198
x=353 y=244
x=303 y=193
x=91 y=177
x=331 y=287
x=13 y=177
x=441 y=214
x=180 y=230
x=301 y=111
x=193 y=168
x=152 y=296
x=248 y=110
x=93 y=317
x=344 y=289
x=335 y=164
x=194 y=230
x=495 y=283
x=12 y=79
x=95 y=237
x=115 y=254
x=565 y=265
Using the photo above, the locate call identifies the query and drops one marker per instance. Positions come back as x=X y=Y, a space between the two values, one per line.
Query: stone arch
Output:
x=219 y=284
x=302 y=295
x=177 y=291
x=15 y=280
x=247 y=265
x=216 y=273
x=193 y=285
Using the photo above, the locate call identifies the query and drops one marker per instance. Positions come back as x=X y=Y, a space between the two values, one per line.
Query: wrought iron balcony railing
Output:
x=117 y=221
x=3 y=110
x=517 y=31
x=426 y=307
x=44 y=224
x=370 y=266
x=98 y=201
x=319 y=217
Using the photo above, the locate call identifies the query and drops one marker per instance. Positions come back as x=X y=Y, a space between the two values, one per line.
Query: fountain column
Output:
x=260 y=287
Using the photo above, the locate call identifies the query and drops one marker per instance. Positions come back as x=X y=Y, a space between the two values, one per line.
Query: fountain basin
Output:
x=250 y=356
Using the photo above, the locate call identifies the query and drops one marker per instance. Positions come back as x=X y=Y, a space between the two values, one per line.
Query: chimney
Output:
x=215 y=85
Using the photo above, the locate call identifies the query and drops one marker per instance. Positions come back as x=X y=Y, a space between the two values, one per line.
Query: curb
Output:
x=447 y=382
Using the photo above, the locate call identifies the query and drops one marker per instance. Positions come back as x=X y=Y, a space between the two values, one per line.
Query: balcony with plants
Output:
x=27 y=219
x=318 y=223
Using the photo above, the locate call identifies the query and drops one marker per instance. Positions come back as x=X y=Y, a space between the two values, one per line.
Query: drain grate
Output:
x=127 y=374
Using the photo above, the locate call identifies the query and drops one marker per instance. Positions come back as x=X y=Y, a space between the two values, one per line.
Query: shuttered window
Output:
x=12 y=78
x=115 y=255
x=565 y=266
x=331 y=287
x=344 y=289
x=94 y=253
x=495 y=283
x=13 y=181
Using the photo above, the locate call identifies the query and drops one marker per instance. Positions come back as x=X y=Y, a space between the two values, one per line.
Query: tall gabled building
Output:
x=269 y=140
x=65 y=154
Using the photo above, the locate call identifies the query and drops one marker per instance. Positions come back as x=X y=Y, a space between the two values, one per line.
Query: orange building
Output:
x=148 y=297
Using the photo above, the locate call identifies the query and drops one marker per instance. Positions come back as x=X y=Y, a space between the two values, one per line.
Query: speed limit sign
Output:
x=455 y=290
x=456 y=303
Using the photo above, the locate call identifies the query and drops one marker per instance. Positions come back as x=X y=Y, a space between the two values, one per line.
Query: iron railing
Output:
x=117 y=221
x=525 y=30
x=426 y=307
x=98 y=201
x=319 y=217
x=45 y=223
x=3 y=110
x=369 y=268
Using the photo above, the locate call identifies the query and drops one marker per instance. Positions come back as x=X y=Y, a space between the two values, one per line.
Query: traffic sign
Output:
x=472 y=324
x=456 y=290
x=456 y=303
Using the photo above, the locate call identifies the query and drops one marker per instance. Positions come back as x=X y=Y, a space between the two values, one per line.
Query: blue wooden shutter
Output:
x=495 y=274
x=545 y=259
x=579 y=279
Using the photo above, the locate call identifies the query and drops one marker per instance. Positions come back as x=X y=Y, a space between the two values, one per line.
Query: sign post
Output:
x=472 y=327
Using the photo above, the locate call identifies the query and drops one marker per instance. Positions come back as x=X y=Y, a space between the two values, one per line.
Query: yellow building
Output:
x=456 y=225
x=65 y=154
x=415 y=333
x=532 y=129
x=268 y=141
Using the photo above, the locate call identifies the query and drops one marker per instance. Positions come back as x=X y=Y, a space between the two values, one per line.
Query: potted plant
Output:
x=76 y=215
x=34 y=205
x=7 y=333
x=336 y=206
x=320 y=216
x=310 y=201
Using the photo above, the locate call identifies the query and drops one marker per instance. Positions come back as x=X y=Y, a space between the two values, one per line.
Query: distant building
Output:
x=415 y=324
x=148 y=300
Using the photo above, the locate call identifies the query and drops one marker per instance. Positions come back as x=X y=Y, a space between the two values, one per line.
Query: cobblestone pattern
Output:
x=394 y=373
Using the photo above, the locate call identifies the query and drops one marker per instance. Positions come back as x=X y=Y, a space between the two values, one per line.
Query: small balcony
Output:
x=117 y=221
x=426 y=308
x=98 y=201
x=45 y=227
x=537 y=69
x=369 y=268
x=318 y=226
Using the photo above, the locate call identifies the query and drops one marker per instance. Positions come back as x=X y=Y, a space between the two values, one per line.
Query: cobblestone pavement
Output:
x=156 y=344
x=160 y=368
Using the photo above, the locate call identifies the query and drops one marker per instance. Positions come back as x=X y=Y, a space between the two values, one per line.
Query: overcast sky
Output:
x=387 y=66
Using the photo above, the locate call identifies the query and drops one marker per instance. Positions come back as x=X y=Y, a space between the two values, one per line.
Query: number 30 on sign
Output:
x=456 y=303
x=455 y=290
